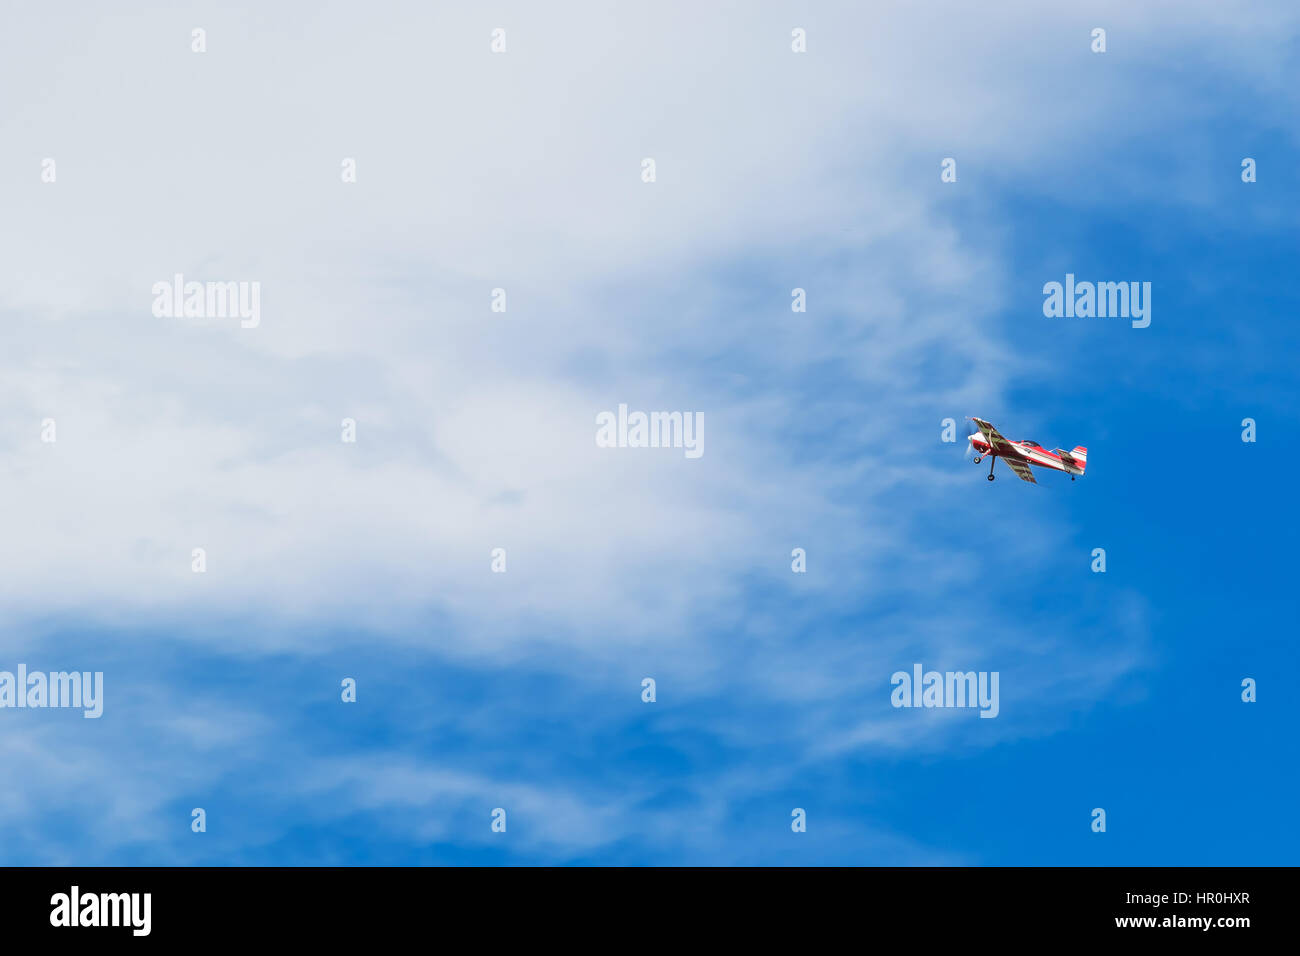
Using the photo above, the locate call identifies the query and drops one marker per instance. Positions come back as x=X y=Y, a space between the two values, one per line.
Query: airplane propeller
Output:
x=969 y=453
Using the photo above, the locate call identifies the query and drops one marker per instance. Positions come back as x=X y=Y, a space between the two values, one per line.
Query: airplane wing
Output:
x=999 y=444
x=1021 y=469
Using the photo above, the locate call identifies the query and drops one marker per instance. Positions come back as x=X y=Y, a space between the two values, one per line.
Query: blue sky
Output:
x=476 y=430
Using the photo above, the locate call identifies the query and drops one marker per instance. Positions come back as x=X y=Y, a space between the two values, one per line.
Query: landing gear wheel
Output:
x=977 y=459
x=990 y=477
x=1072 y=477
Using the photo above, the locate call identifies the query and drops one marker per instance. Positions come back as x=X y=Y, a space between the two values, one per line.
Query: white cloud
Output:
x=476 y=430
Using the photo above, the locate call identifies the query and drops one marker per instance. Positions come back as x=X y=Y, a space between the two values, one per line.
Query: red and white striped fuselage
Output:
x=1020 y=455
x=1072 y=463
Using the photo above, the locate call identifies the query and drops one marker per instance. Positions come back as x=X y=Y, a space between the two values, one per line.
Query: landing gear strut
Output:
x=992 y=461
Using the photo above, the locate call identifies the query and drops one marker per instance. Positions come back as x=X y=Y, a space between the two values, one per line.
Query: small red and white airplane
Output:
x=1019 y=455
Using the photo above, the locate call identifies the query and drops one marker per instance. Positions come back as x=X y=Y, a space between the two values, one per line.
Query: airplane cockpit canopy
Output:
x=1030 y=441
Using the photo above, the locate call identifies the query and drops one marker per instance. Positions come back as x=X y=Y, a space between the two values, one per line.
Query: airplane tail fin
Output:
x=1077 y=456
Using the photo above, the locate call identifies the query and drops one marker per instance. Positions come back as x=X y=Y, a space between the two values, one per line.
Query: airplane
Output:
x=1019 y=455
